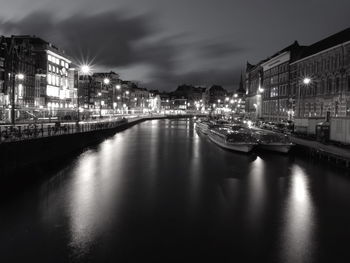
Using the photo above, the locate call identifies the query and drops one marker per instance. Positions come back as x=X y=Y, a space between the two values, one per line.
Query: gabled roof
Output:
x=331 y=41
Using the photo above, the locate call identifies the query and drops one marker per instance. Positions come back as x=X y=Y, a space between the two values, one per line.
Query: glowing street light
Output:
x=118 y=87
x=106 y=81
x=20 y=76
x=306 y=81
x=85 y=69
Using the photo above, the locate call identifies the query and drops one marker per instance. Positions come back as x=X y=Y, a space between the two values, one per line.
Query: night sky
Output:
x=163 y=43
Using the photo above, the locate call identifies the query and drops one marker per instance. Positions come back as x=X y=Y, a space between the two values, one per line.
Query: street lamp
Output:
x=106 y=81
x=307 y=81
x=19 y=76
x=84 y=70
x=99 y=95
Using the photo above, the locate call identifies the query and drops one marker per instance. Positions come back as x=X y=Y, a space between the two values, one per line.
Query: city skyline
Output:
x=164 y=44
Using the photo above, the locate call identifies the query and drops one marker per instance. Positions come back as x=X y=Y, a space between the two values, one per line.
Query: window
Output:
x=336 y=108
x=337 y=85
x=274 y=92
x=348 y=108
x=49 y=79
x=329 y=86
x=50 y=68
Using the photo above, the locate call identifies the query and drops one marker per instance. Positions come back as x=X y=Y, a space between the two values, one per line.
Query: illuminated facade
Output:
x=253 y=101
x=18 y=78
x=321 y=77
x=327 y=64
x=52 y=89
x=278 y=96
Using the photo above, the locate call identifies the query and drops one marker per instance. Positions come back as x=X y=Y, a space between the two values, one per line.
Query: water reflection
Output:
x=298 y=219
x=257 y=191
x=159 y=191
x=94 y=192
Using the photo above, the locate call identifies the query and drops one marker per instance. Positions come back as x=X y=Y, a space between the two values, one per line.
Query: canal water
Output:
x=159 y=192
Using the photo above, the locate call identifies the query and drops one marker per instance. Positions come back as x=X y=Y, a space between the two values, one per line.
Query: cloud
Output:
x=114 y=39
x=219 y=49
x=108 y=36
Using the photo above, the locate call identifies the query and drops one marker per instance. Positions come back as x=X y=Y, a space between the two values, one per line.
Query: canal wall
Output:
x=17 y=155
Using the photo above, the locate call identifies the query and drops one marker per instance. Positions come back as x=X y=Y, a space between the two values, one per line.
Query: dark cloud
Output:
x=108 y=36
x=228 y=78
x=217 y=49
x=116 y=40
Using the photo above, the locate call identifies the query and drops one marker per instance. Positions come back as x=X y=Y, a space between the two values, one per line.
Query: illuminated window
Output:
x=49 y=79
x=20 y=90
x=50 y=68
x=49 y=57
x=274 y=92
x=67 y=65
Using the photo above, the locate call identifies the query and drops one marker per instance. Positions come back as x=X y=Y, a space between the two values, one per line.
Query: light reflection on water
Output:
x=298 y=219
x=94 y=192
x=161 y=190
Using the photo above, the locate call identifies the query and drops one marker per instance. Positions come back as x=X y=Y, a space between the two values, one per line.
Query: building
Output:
x=253 y=84
x=18 y=84
x=106 y=87
x=192 y=94
x=139 y=98
x=277 y=102
x=237 y=100
x=214 y=96
x=2 y=77
x=52 y=67
x=321 y=78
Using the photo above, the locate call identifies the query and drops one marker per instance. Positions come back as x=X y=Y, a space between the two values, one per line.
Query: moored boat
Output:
x=274 y=142
x=239 y=140
x=203 y=126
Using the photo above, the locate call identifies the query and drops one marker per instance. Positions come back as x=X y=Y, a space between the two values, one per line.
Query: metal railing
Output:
x=33 y=131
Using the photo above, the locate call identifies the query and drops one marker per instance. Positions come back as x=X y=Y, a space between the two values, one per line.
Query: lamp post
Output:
x=306 y=81
x=85 y=70
x=19 y=77
x=99 y=95
x=115 y=103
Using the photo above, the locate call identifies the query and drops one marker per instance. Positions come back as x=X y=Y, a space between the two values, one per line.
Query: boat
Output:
x=274 y=142
x=237 y=140
x=203 y=126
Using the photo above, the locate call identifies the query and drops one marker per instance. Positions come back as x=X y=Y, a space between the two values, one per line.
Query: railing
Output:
x=32 y=131
x=21 y=132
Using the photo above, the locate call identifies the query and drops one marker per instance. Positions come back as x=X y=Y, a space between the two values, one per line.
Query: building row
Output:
x=40 y=81
x=303 y=84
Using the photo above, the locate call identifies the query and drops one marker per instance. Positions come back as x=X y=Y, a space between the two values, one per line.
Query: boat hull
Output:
x=281 y=148
x=239 y=147
x=203 y=128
